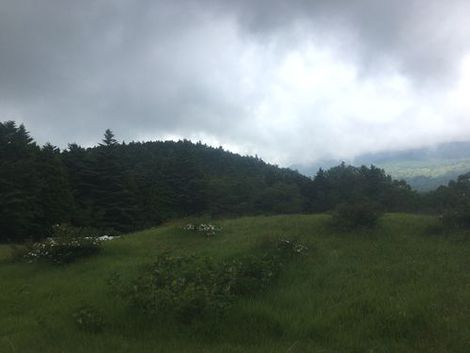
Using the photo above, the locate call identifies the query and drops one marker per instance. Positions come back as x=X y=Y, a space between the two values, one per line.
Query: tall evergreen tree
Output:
x=18 y=180
x=55 y=194
x=186 y=187
x=127 y=186
x=115 y=205
x=80 y=165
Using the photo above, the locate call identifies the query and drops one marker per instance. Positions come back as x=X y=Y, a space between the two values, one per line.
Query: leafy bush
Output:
x=88 y=319
x=185 y=286
x=458 y=217
x=251 y=274
x=192 y=287
x=364 y=214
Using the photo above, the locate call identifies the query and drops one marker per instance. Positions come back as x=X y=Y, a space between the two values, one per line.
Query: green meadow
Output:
x=398 y=288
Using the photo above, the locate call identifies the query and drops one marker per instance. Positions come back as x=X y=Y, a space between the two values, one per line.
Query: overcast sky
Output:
x=292 y=81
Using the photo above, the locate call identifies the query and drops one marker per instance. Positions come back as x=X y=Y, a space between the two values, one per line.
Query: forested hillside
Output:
x=122 y=187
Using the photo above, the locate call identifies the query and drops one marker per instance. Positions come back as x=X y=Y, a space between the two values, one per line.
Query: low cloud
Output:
x=292 y=81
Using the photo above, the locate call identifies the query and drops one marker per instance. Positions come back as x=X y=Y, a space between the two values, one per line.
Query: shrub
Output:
x=62 y=250
x=192 y=287
x=364 y=214
x=188 y=287
x=251 y=274
x=458 y=217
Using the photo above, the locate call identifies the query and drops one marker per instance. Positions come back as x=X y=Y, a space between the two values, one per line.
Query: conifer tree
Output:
x=18 y=179
x=186 y=192
x=115 y=204
x=55 y=194
x=80 y=166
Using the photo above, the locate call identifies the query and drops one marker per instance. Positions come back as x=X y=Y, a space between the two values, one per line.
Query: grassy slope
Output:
x=391 y=290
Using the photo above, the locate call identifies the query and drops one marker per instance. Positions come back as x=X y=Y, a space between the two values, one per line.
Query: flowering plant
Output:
x=63 y=250
x=209 y=230
x=291 y=247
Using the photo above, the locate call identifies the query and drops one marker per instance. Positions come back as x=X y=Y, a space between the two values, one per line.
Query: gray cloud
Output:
x=232 y=72
x=424 y=38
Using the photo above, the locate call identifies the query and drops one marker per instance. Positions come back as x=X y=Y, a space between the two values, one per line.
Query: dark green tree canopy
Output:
x=122 y=187
x=108 y=139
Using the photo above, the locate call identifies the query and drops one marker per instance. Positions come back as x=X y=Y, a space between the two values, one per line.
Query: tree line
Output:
x=123 y=187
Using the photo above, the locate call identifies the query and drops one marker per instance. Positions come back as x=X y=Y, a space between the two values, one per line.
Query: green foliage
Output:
x=19 y=179
x=427 y=175
x=55 y=199
x=393 y=289
x=452 y=202
x=193 y=287
x=68 y=231
x=89 y=319
x=363 y=214
x=186 y=287
x=347 y=184
x=126 y=187
x=252 y=274
x=456 y=218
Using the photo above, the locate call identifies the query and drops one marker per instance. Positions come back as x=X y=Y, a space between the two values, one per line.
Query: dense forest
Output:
x=122 y=187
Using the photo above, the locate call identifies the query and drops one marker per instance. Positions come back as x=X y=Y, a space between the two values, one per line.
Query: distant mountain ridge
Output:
x=423 y=168
x=446 y=151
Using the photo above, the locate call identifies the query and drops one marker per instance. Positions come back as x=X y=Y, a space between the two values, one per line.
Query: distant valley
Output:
x=423 y=168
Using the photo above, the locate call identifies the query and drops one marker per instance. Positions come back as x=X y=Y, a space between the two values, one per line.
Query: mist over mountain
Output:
x=423 y=168
x=446 y=151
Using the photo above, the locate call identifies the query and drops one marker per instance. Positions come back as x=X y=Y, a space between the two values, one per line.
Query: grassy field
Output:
x=394 y=289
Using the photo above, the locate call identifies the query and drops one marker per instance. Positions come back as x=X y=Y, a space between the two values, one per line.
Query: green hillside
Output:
x=424 y=169
x=395 y=289
x=427 y=175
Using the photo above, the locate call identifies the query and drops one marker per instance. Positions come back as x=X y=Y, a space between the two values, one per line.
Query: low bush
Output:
x=363 y=214
x=193 y=287
x=250 y=275
x=187 y=287
x=458 y=217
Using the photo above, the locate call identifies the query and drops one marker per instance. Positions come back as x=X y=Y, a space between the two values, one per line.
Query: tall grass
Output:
x=392 y=289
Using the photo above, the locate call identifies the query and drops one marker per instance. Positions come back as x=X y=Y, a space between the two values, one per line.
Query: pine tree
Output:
x=185 y=184
x=80 y=165
x=18 y=179
x=115 y=204
x=55 y=194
